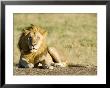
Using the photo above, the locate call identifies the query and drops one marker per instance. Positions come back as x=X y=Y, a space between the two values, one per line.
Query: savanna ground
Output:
x=75 y=35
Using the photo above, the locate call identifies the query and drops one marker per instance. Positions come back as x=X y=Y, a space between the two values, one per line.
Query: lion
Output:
x=35 y=51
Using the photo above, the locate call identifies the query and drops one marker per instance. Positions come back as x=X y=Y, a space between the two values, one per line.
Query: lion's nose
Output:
x=33 y=46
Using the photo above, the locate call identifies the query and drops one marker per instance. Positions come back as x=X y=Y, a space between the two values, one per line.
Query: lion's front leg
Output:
x=23 y=63
x=47 y=61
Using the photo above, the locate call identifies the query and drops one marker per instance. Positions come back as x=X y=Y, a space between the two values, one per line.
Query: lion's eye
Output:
x=30 y=38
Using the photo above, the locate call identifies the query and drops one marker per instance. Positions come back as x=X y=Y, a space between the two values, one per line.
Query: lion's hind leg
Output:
x=56 y=57
x=54 y=54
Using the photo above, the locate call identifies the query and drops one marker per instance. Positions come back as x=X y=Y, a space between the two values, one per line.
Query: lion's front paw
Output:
x=47 y=67
x=30 y=65
x=60 y=64
x=51 y=67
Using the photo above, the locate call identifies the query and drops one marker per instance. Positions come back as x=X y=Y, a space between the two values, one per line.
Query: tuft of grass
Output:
x=75 y=35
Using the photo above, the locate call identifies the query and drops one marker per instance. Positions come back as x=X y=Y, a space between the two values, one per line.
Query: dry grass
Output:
x=73 y=34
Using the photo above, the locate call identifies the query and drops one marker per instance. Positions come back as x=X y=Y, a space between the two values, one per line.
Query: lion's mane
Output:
x=24 y=48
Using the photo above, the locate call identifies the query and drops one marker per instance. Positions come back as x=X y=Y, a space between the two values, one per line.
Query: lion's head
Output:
x=31 y=39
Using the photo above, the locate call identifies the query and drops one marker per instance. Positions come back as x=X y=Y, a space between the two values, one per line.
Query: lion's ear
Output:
x=45 y=33
x=25 y=32
x=42 y=31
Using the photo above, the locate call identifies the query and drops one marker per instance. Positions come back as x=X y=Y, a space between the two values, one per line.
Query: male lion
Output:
x=34 y=50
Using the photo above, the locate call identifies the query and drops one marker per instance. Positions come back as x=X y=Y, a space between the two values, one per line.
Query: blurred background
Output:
x=75 y=35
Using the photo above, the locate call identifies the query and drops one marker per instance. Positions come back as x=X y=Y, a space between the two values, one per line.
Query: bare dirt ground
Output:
x=57 y=71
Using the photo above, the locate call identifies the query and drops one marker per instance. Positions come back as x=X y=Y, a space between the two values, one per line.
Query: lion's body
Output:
x=34 y=50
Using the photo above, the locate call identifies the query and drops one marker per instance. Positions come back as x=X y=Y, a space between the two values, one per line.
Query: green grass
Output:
x=75 y=35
